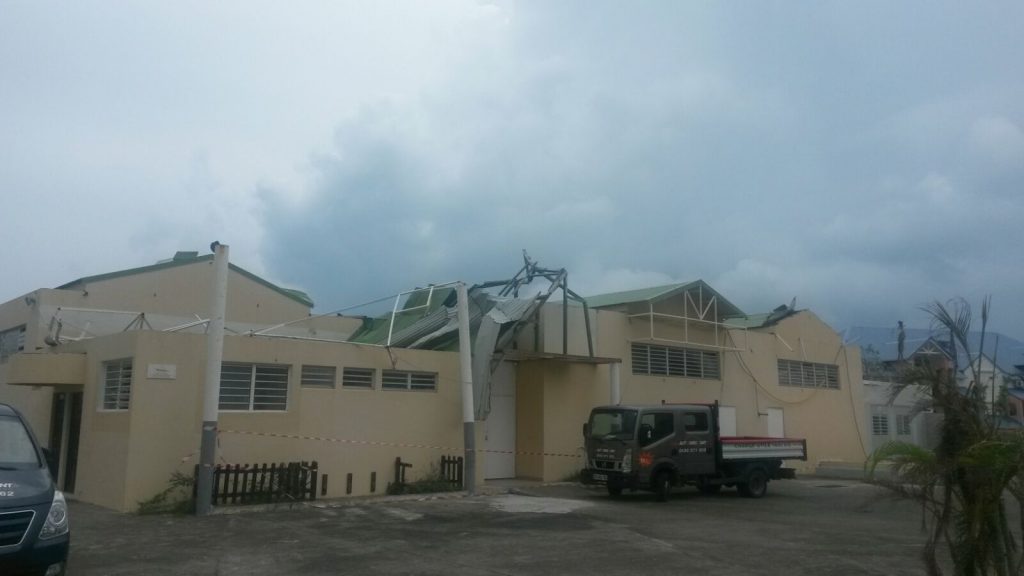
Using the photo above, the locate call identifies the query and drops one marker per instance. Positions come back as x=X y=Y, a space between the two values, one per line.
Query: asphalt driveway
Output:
x=808 y=526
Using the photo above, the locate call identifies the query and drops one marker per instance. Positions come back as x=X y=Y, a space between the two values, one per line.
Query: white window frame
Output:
x=903 y=425
x=880 y=424
x=798 y=374
x=252 y=388
x=388 y=378
x=117 y=395
x=675 y=362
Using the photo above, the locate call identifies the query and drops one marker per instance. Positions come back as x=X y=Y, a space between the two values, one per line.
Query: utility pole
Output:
x=211 y=391
x=466 y=373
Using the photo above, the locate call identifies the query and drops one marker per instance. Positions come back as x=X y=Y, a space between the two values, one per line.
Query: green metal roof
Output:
x=183 y=259
x=725 y=308
x=748 y=321
x=629 y=296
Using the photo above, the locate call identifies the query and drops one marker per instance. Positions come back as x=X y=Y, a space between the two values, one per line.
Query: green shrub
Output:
x=175 y=499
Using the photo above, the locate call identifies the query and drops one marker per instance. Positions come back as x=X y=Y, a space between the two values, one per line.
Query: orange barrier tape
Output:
x=393 y=444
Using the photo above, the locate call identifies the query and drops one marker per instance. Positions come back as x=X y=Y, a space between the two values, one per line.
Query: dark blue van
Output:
x=34 y=530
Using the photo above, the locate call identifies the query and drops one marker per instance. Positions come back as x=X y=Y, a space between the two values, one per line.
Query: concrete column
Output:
x=614 y=372
x=466 y=374
x=211 y=390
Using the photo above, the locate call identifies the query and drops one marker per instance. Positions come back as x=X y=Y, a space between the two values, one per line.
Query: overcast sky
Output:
x=863 y=157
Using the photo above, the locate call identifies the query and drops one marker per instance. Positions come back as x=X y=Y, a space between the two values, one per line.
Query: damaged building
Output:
x=109 y=370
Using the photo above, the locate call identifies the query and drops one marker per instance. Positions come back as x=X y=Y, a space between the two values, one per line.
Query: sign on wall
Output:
x=162 y=371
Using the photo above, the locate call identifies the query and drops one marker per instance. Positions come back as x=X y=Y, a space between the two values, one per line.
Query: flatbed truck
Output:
x=658 y=447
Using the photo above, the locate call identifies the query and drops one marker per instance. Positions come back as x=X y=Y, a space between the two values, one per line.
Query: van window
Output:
x=16 y=448
x=695 y=421
x=618 y=423
x=661 y=424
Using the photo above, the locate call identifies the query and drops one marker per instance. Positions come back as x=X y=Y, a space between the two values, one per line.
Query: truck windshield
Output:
x=619 y=424
x=16 y=448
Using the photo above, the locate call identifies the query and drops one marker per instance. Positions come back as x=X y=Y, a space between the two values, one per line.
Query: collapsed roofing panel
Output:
x=428 y=320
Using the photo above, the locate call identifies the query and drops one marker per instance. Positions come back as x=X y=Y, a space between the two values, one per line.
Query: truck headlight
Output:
x=57 y=519
x=627 y=461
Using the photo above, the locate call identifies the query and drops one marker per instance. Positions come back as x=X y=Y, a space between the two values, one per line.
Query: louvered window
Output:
x=808 y=374
x=117 y=384
x=318 y=376
x=652 y=360
x=403 y=380
x=12 y=341
x=254 y=387
x=357 y=378
x=880 y=424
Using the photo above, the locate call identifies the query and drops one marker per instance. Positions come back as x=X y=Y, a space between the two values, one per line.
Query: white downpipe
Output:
x=615 y=371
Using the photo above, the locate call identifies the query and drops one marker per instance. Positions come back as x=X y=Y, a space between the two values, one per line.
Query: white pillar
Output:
x=466 y=375
x=211 y=390
x=614 y=371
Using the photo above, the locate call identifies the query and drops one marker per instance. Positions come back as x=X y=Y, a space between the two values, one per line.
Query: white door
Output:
x=726 y=420
x=776 y=426
x=500 y=426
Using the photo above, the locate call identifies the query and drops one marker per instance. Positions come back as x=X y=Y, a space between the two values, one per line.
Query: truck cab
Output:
x=657 y=447
x=34 y=530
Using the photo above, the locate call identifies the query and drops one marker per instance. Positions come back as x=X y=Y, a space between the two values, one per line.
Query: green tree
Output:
x=962 y=482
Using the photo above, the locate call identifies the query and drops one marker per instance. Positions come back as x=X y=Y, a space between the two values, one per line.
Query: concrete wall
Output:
x=185 y=290
x=33 y=403
x=128 y=456
x=832 y=420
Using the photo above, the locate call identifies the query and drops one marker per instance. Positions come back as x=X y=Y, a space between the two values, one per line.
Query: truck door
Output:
x=660 y=426
x=696 y=442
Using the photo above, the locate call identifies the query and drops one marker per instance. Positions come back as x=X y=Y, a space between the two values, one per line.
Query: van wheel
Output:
x=614 y=491
x=662 y=486
x=756 y=485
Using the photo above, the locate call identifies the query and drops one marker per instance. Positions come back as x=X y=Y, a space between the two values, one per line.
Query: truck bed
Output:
x=752 y=448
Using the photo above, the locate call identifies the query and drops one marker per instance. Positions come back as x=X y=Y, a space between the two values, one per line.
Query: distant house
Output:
x=906 y=416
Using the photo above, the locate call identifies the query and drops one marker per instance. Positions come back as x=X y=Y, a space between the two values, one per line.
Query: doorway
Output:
x=65 y=430
x=776 y=424
x=500 y=426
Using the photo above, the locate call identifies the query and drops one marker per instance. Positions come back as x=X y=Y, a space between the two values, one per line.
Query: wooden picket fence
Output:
x=452 y=469
x=261 y=483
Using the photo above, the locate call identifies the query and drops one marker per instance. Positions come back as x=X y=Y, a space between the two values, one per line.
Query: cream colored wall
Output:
x=33 y=402
x=551 y=329
x=165 y=415
x=530 y=420
x=570 y=391
x=832 y=421
x=185 y=289
x=104 y=441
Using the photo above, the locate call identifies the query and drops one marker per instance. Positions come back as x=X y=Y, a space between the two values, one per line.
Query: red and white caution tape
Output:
x=393 y=444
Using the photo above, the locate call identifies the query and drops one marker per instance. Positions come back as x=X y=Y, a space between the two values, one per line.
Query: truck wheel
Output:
x=614 y=491
x=662 y=486
x=756 y=485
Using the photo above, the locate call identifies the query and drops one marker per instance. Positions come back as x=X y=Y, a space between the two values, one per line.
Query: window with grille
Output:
x=357 y=378
x=318 y=376
x=253 y=387
x=404 y=380
x=880 y=424
x=903 y=424
x=652 y=360
x=808 y=374
x=117 y=384
x=12 y=341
